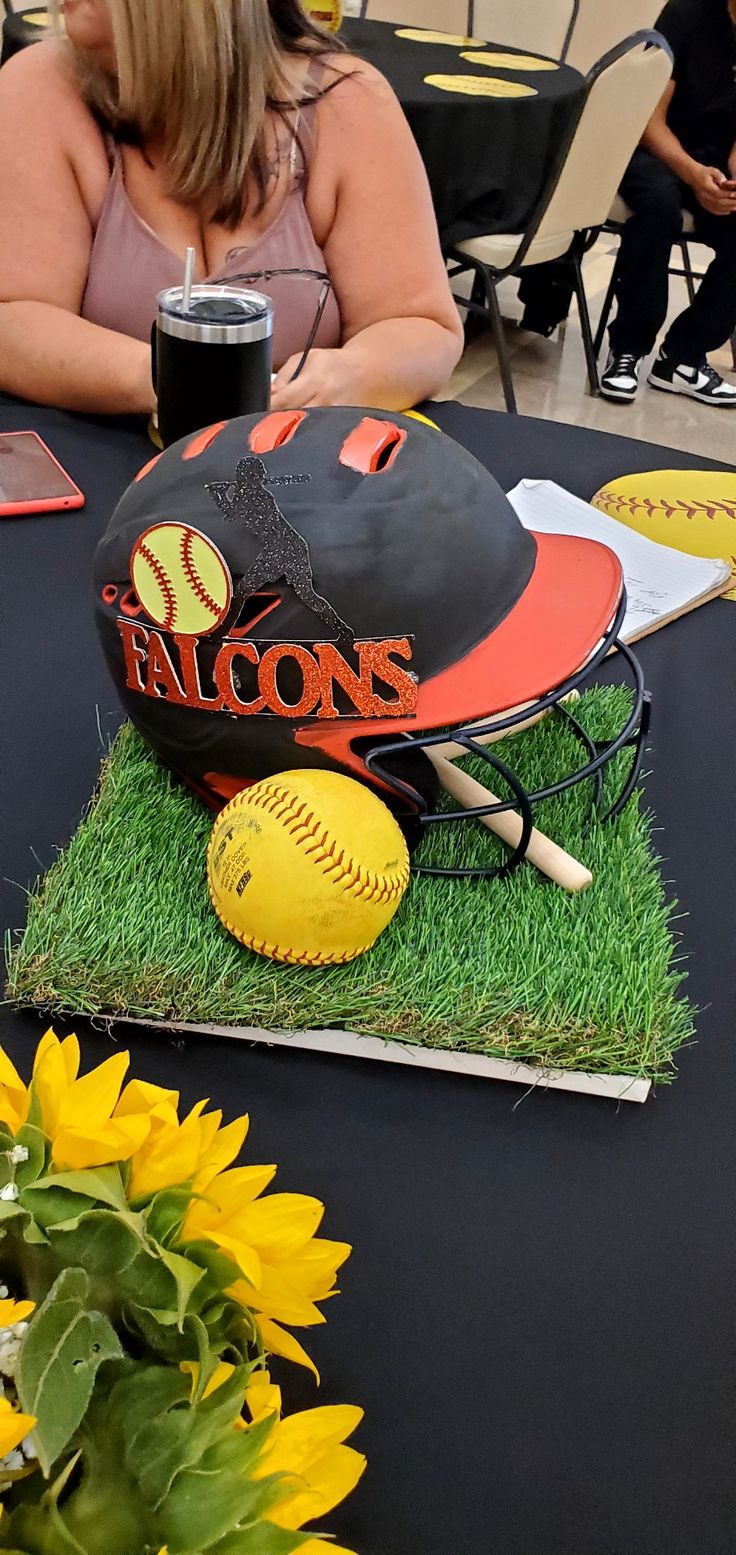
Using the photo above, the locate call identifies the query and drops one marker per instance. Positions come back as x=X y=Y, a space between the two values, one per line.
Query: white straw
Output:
x=188 y=276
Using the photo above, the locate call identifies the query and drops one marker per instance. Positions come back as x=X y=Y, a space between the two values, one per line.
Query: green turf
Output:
x=513 y=968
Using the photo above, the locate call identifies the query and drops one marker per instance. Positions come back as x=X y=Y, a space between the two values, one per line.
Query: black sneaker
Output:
x=700 y=383
x=620 y=379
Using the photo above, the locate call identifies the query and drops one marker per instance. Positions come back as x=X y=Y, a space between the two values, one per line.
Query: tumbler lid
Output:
x=217 y=314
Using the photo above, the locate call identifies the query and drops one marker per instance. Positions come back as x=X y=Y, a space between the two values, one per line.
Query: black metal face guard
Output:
x=633 y=734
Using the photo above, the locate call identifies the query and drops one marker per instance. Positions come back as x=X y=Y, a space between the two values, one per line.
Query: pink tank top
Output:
x=129 y=264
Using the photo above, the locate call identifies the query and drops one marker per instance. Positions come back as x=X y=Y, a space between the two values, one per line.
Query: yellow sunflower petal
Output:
x=9 y=1077
x=307 y=1437
x=13 y=1427
x=244 y=1256
x=232 y=1191
x=72 y=1057
x=116 y=1140
x=222 y=1371
x=90 y=1100
x=276 y=1297
x=224 y=1148
x=282 y=1223
x=326 y=1484
x=50 y=1080
x=279 y=1342
x=167 y=1156
x=262 y=1396
x=141 y=1096
x=15 y=1312
x=318 y=1547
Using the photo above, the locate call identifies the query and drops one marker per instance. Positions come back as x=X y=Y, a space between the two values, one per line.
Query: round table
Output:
x=487 y=158
x=538 y=1313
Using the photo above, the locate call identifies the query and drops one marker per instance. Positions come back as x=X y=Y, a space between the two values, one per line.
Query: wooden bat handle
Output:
x=552 y=860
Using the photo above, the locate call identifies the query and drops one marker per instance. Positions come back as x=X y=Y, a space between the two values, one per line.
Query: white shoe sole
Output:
x=691 y=394
x=623 y=396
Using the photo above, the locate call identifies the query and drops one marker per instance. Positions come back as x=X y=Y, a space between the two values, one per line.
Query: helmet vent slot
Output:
x=372 y=446
x=275 y=430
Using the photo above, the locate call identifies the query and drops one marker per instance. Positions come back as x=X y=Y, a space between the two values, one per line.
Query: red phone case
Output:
x=72 y=499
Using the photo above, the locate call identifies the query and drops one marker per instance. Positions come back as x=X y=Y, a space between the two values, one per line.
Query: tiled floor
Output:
x=550 y=381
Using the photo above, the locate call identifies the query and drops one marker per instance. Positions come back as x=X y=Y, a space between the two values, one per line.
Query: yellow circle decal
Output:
x=307 y=867
x=501 y=61
x=691 y=510
x=181 y=580
x=451 y=40
x=481 y=86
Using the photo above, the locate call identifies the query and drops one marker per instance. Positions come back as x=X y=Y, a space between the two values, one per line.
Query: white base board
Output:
x=616 y=1087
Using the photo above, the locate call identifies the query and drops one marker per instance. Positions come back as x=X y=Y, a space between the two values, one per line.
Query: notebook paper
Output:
x=661 y=583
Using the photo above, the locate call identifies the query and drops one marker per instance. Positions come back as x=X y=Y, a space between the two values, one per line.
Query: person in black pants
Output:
x=687 y=161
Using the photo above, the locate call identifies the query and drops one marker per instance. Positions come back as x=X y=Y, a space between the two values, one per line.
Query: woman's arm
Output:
x=47 y=352
x=368 y=187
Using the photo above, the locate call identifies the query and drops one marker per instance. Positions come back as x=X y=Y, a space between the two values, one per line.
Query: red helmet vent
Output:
x=275 y=430
x=372 y=446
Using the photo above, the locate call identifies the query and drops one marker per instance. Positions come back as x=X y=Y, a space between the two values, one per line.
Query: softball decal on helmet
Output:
x=181 y=579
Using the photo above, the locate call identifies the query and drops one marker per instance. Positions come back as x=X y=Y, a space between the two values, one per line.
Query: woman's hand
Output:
x=327 y=378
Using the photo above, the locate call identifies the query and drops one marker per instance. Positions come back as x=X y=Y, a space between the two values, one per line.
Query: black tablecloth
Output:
x=538 y=1315
x=487 y=158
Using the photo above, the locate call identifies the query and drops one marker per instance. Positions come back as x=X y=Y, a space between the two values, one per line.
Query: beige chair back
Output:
x=600 y=24
x=536 y=26
x=444 y=15
x=617 y=109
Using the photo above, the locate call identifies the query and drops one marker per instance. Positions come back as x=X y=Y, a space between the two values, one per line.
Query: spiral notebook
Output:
x=661 y=583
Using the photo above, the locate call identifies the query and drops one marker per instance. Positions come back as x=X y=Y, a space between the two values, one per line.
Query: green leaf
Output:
x=34 y=1141
x=103 y=1185
x=260 y=1539
x=186 y=1275
x=194 y=1518
x=206 y=1357
x=53 y=1206
x=97 y=1240
x=178 y=1439
x=60 y=1356
x=165 y=1214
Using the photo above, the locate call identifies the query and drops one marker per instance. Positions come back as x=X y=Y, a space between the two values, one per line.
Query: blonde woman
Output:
x=235 y=126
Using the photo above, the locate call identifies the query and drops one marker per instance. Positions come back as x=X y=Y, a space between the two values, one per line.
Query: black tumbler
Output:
x=212 y=359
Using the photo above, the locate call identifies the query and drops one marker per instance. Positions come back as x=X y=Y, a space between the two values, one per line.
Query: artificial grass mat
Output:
x=516 y=968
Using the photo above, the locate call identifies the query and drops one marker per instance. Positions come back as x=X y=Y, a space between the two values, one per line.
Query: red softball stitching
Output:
x=652 y=504
x=185 y=552
x=164 y=583
x=360 y=882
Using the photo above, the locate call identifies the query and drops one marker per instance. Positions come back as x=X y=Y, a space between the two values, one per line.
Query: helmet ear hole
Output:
x=415 y=769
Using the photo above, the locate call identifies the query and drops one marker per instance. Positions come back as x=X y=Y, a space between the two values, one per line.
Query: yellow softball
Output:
x=181 y=580
x=691 y=510
x=307 y=867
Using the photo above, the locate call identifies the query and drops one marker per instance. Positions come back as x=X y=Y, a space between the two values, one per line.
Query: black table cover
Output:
x=538 y=1314
x=487 y=158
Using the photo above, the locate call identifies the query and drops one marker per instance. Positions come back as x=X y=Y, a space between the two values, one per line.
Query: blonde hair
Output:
x=198 y=77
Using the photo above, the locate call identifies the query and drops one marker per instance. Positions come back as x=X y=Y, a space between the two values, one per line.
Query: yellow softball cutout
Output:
x=181 y=580
x=481 y=86
x=691 y=510
x=307 y=867
x=451 y=40
x=502 y=61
